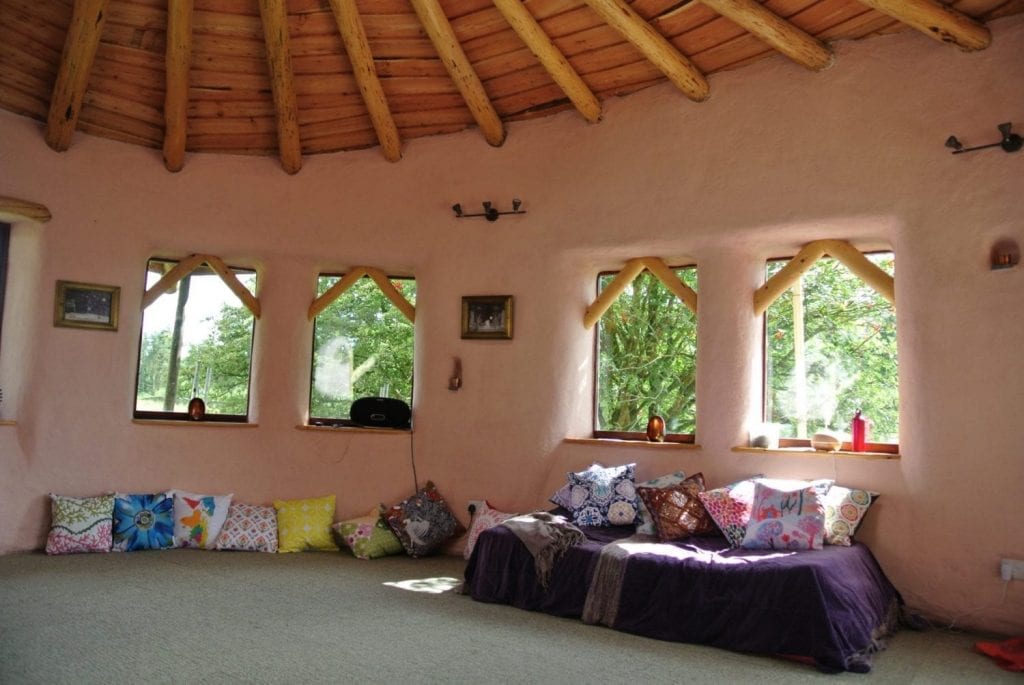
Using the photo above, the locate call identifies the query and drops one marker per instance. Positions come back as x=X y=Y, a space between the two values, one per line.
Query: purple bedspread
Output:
x=831 y=606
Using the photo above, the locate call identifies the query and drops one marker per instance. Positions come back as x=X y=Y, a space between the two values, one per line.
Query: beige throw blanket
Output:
x=602 y=603
x=547 y=536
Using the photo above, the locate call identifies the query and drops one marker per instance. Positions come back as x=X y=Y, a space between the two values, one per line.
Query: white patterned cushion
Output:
x=844 y=510
x=80 y=524
x=199 y=518
x=250 y=528
x=785 y=518
x=484 y=517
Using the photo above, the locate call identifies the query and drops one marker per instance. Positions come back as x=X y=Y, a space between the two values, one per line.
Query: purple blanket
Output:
x=830 y=606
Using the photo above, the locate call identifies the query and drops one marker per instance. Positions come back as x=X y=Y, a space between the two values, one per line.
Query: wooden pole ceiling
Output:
x=393 y=50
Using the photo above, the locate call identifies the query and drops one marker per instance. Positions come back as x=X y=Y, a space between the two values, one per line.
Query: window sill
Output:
x=354 y=429
x=214 y=424
x=6 y=422
x=632 y=443
x=811 y=452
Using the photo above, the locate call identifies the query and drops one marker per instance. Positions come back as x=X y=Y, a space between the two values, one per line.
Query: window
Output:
x=5 y=245
x=362 y=347
x=830 y=349
x=646 y=360
x=196 y=342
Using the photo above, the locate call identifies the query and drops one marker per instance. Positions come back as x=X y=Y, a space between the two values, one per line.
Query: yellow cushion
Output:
x=305 y=524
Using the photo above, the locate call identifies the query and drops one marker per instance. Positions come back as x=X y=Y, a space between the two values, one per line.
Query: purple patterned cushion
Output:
x=604 y=496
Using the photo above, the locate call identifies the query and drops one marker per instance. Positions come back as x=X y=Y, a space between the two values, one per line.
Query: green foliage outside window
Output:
x=647 y=357
x=849 y=350
x=206 y=352
x=362 y=347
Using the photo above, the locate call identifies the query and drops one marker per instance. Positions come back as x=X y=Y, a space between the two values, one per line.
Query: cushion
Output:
x=143 y=521
x=369 y=536
x=604 y=496
x=423 y=522
x=249 y=528
x=80 y=524
x=844 y=510
x=729 y=508
x=677 y=511
x=784 y=518
x=304 y=525
x=484 y=517
x=563 y=496
x=646 y=525
x=198 y=519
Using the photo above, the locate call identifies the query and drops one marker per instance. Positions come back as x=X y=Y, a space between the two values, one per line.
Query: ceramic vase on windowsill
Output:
x=656 y=429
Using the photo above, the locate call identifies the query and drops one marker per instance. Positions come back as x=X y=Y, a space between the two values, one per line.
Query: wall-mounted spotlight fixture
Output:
x=1011 y=142
x=490 y=212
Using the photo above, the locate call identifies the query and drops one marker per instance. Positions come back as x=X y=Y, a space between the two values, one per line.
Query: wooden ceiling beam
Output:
x=791 y=41
x=654 y=46
x=274 y=16
x=551 y=58
x=353 y=35
x=80 y=44
x=441 y=34
x=939 y=21
x=178 y=59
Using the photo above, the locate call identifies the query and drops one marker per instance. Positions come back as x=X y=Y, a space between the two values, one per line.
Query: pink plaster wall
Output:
x=777 y=157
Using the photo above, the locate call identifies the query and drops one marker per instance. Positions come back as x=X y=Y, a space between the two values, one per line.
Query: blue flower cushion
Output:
x=143 y=522
x=604 y=497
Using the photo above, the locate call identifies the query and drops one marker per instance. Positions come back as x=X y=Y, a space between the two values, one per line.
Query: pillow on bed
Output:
x=563 y=496
x=249 y=528
x=844 y=510
x=80 y=525
x=304 y=525
x=143 y=521
x=604 y=496
x=423 y=522
x=729 y=507
x=369 y=536
x=677 y=509
x=784 y=518
x=198 y=519
x=646 y=525
x=484 y=517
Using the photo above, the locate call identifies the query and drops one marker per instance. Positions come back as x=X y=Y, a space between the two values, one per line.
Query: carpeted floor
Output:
x=221 y=617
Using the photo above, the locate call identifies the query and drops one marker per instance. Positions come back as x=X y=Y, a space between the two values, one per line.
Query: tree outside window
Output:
x=363 y=346
x=830 y=349
x=196 y=342
x=646 y=359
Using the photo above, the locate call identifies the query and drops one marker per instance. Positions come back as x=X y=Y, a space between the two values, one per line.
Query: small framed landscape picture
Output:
x=487 y=317
x=86 y=305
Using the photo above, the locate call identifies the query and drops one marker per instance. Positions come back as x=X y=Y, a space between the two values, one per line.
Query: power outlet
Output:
x=1011 y=569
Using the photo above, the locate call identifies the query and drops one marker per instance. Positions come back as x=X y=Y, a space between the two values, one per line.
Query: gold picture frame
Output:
x=86 y=305
x=487 y=317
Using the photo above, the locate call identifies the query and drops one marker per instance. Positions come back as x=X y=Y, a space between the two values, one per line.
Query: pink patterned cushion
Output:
x=785 y=518
x=80 y=524
x=484 y=517
x=730 y=506
x=249 y=528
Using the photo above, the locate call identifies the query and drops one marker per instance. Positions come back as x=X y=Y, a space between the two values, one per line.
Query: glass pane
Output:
x=362 y=347
x=196 y=342
x=647 y=357
x=848 y=349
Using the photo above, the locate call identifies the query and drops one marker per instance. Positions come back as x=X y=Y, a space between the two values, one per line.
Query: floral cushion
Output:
x=729 y=507
x=304 y=525
x=604 y=496
x=80 y=524
x=785 y=518
x=677 y=511
x=423 y=522
x=844 y=510
x=249 y=528
x=484 y=517
x=369 y=536
x=646 y=525
x=198 y=519
x=143 y=521
x=563 y=496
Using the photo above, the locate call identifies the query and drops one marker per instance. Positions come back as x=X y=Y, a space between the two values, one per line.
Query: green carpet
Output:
x=187 y=616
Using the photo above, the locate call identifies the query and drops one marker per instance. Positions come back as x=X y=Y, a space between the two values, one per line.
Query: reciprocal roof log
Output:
x=299 y=77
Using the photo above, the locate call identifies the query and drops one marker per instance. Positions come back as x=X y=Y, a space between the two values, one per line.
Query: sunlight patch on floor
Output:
x=434 y=586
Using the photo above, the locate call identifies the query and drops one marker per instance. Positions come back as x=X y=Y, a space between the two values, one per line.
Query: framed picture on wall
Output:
x=86 y=305
x=487 y=317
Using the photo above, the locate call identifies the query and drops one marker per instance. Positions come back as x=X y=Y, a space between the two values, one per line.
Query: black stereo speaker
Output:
x=381 y=412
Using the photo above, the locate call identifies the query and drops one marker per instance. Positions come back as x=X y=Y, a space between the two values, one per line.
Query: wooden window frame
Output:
x=5 y=248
